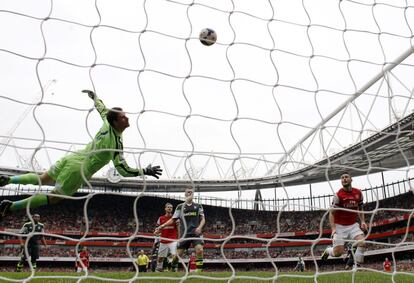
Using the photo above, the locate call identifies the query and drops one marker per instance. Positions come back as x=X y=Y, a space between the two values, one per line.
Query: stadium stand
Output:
x=105 y=220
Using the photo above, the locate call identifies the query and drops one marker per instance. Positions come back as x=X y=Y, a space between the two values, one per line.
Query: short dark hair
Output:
x=112 y=115
x=345 y=173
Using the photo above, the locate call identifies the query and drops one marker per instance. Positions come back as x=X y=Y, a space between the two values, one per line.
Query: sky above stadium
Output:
x=231 y=110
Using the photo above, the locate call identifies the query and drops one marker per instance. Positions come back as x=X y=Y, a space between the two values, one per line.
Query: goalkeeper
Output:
x=66 y=174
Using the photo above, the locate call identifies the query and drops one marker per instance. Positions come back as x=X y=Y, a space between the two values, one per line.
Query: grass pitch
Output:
x=241 y=277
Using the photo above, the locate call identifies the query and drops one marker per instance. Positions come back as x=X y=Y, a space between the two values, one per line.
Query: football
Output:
x=207 y=36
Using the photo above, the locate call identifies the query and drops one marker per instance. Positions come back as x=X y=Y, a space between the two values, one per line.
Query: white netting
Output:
x=287 y=84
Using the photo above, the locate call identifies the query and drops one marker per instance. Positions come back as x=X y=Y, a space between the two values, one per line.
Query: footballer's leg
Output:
x=337 y=251
x=199 y=257
x=359 y=253
x=27 y=179
x=174 y=262
x=7 y=206
x=19 y=266
x=65 y=174
x=160 y=262
x=66 y=182
x=182 y=246
x=173 y=253
x=34 y=255
x=358 y=246
x=162 y=253
x=338 y=243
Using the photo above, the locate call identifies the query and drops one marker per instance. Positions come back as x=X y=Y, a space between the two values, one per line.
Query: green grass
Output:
x=245 y=277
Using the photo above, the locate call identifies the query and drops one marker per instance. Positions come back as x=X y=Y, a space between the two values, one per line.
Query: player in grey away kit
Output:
x=33 y=244
x=192 y=220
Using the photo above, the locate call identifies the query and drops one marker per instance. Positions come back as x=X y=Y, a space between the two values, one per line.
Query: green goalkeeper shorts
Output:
x=67 y=174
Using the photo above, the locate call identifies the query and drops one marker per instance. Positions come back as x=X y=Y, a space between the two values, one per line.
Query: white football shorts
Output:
x=167 y=247
x=346 y=232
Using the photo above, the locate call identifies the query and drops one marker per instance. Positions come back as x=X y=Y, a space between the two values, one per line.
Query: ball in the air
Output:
x=208 y=36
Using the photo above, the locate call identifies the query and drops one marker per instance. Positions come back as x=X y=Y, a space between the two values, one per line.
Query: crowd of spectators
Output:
x=403 y=263
x=210 y=253
x=114 y=213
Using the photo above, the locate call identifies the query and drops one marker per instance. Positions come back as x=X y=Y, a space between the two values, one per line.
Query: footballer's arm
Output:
x=201 y=225
x=170 y=221
x=361 y=215
x=332 y=221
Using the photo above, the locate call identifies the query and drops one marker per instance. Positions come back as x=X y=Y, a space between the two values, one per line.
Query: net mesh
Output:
x=286 y=85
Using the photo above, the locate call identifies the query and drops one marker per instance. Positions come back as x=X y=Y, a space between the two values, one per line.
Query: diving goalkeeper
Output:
x=66 y=174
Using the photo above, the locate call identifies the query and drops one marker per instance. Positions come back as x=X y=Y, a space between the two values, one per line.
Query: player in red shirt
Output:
x=387 y=265
x=344 y=224
x=84 y=257
x=192 y=263
x=167 y=232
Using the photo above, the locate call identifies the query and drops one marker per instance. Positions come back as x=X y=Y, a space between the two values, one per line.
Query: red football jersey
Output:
x=169 y=231
x=192 y=263
x=387 y=265
x=349 y=200
x=84 y=257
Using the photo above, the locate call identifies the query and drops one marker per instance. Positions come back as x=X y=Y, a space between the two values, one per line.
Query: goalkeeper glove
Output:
x=90 y=93
x=154 y=171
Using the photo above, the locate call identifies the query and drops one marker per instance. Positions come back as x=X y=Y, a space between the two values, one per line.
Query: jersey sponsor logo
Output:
x=350 y=204
x=190 y=213
x=169 y=227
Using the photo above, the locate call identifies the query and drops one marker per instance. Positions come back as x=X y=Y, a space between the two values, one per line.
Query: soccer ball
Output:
x=208 y=36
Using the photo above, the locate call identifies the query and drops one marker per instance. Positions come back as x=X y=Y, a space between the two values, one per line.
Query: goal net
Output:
x=292 y=93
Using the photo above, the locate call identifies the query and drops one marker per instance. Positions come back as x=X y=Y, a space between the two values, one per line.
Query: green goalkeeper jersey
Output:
x=106 y=146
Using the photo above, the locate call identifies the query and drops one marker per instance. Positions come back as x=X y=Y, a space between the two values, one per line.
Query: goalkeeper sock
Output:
x=35 y=201
x=25 y=179
x=199 y=262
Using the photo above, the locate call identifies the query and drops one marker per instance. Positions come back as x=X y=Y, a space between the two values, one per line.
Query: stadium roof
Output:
x=390 y=148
